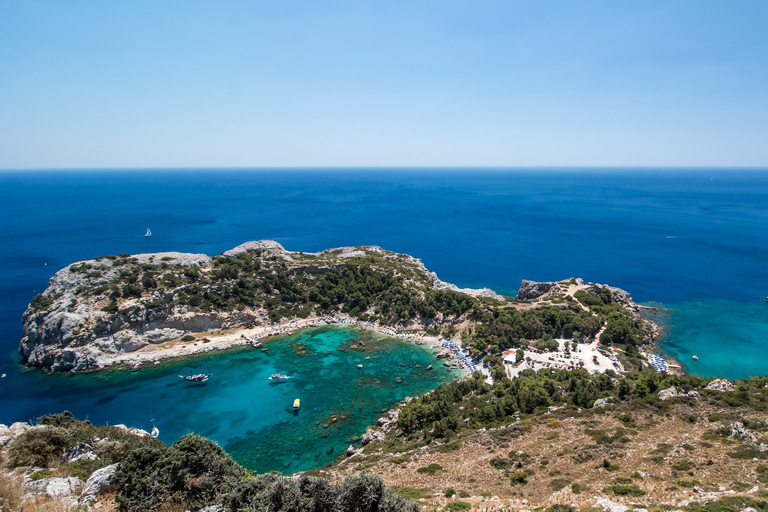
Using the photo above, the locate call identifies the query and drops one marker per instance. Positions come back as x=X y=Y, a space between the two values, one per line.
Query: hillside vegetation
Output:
x=118 y=304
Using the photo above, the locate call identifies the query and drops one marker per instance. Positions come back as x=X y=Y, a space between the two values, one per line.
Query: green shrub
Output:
x=277 y=493
x=458 y=506
x=627 y=420
x=449 y=447
x=187 y=338
x=748 y=452
x=625 y=490
x=498 y=463
x=40 y=475
x=40 y=446
x=561 y=508
x=682 y=466
x=430 y=470
x=111 y=307
x=729 y=504
x=41 y=302
x=63 y=420
x=521 y=477
x=559 y=483
x=194 y=469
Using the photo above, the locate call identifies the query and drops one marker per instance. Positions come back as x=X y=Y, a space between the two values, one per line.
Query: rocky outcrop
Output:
x=602 y=402
x=607 y=505
x=666 y=394
x=739 y=431
x=95 y=311
x=98 y=483
x=371 y=435
x=531 y=290
x=59 y=488
x=721 y=385
x=475 y=292
x=81 y=451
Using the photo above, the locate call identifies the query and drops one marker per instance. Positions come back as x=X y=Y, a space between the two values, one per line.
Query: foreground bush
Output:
x=194 y=469
x=197 y=472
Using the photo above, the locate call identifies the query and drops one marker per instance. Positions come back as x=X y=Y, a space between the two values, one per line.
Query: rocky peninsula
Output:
x=130 y=309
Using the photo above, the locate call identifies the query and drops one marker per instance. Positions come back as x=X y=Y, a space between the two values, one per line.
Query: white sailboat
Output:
x=148 y=233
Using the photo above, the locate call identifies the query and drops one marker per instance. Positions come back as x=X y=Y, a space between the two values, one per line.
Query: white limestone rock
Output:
x=475 y=292
x=371 y=435
x=530 y=290
x=720 y=385
x=739 y=431
x=609 y=506
x=19 y=428
x=162 y=335
x=602 y=402
x=98 y=483
x=174 y=258
x=666 y=394
x=81 y=451
x=260 y=245
x=135 y=431
x=62 y=487
x=212 y=508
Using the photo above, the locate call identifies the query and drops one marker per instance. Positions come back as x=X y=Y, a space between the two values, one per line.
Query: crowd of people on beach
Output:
x=463 y=356
x=657 y=362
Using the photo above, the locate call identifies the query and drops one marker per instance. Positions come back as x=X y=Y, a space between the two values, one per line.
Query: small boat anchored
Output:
x=296 y=404
x=277 y=376
x=695 y=357
x=200 y=377
x=148 y=233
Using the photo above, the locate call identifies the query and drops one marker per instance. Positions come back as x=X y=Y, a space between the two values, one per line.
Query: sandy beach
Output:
x=228 y=338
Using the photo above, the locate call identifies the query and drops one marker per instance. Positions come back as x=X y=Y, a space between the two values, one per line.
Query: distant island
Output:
x=133 y=309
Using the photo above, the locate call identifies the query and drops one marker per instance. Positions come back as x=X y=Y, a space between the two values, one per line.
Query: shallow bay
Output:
x=239 y=407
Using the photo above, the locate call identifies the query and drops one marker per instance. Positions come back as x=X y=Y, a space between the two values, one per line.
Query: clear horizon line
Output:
x=399 y=167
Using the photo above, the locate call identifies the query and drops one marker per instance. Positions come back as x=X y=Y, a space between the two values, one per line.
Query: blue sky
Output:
x=383 y=83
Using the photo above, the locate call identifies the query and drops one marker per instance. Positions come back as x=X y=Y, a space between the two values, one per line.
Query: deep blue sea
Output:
x=694 y=240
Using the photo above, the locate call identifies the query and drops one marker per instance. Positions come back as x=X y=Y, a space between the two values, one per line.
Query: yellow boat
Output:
x=296 y=404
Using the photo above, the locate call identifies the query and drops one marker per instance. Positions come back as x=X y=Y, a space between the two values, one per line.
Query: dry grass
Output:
x=13 y=493
x=573 y=450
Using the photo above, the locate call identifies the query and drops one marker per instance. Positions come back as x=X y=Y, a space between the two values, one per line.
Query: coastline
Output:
x=237 y=337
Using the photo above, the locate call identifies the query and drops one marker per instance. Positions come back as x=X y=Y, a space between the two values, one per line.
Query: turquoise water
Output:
x=730 y=338
x=251 y=417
